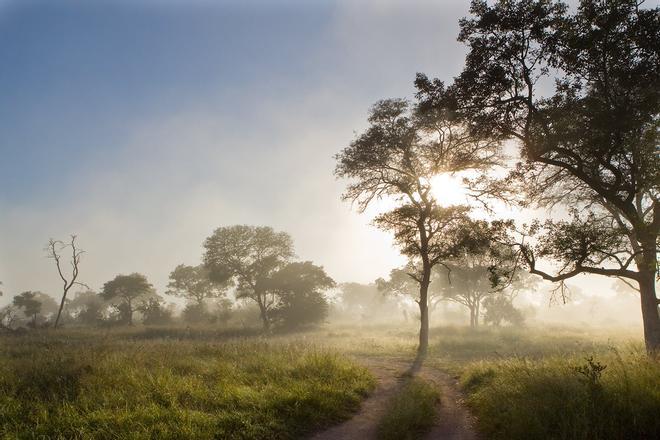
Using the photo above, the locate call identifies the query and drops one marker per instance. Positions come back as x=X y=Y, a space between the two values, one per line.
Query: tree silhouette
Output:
x=397 y=157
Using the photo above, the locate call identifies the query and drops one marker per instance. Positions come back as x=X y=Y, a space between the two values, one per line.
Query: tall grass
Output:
x=607 y=396
x=78 y=386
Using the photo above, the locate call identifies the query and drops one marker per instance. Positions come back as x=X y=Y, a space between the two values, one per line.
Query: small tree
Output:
x=248 y=255
x=32 y=304
x=398 y=156
x=500 y=308
x=194 y=283
x=7 y=316
x=127 y=289
x=155 y=312
x=54 y=250
x=88 y=308
x=300 y=289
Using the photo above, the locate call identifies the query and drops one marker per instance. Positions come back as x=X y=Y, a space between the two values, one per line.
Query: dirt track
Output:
x=454 y=421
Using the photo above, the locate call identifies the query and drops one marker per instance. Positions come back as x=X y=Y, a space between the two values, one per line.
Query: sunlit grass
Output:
x=87 y=387
x=604 y=396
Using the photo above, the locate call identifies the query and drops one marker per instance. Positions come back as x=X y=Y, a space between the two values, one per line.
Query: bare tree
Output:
x=54 y=250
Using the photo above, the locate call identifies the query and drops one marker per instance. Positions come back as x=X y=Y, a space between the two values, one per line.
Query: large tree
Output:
x=579 y=93
x=126 y=290
x=248 y=255
x=54 y=250
x=397 y=157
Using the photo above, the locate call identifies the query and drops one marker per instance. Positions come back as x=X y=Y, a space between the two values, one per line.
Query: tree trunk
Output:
x=264 y=313
x=650 y=316
x=129 y=310
x=424 y=314
x=476 y=314
x=59 y=311
x=471 y=317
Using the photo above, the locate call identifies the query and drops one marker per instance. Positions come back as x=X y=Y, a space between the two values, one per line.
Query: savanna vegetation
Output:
x=555 y=112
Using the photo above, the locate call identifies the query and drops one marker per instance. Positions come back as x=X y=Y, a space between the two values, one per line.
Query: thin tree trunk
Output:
x=59 y=311
x=264 y=313
x=476 y=314
x=130 y=313
x=424 y=313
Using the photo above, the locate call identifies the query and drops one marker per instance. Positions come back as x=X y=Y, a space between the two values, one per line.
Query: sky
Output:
x=143 y=125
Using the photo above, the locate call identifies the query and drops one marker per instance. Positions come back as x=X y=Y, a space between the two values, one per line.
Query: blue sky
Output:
x=141 y=126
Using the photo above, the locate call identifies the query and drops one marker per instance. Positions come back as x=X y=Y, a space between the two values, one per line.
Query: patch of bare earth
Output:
x=454 y=420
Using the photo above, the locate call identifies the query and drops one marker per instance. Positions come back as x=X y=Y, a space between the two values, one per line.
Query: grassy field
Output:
x=554 y=383
x=87 y=385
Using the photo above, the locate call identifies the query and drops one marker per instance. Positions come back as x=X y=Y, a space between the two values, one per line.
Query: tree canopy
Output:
x=579 y=93
x=127 y=289
x=248 y=255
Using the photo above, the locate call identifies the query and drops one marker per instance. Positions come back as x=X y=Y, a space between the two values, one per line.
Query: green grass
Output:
x=411 y=412
x=86 y=385
x=605 y=396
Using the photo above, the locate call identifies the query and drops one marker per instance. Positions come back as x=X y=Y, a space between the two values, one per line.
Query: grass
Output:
x=606 y=396
x=411 y=412
x=83 y=385
x=211 y=383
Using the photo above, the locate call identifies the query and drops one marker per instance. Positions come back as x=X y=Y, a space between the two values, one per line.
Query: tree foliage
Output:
x=300 y=290
x=248 y=256
x=125 y=291
x=194 y=283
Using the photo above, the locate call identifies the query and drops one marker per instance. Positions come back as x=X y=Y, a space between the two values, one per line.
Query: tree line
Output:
x=256 y=262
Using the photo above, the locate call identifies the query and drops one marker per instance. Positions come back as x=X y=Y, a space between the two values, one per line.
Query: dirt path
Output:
x=389 y=374
x=454 y=421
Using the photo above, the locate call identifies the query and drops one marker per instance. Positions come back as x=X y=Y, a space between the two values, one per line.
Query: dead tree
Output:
x=54 y=250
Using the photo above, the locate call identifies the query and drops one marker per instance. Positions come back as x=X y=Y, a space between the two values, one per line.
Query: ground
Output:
x=331 y=383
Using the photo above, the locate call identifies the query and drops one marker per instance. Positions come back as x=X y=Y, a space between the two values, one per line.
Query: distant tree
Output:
x=469 y=285
x=398 y=156
x=300 y=291
x=248 y=255
x=401 y=284
x=88 y=308
x=127 y=289
x=194 y=283
x=590 y=143
x=54 y=250
x=499 y=308
x=221 y=310
x=155 y=312
x=7 y=316
x=34 y=304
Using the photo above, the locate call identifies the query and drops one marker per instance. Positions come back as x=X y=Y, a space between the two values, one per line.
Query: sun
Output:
x=448 y=190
